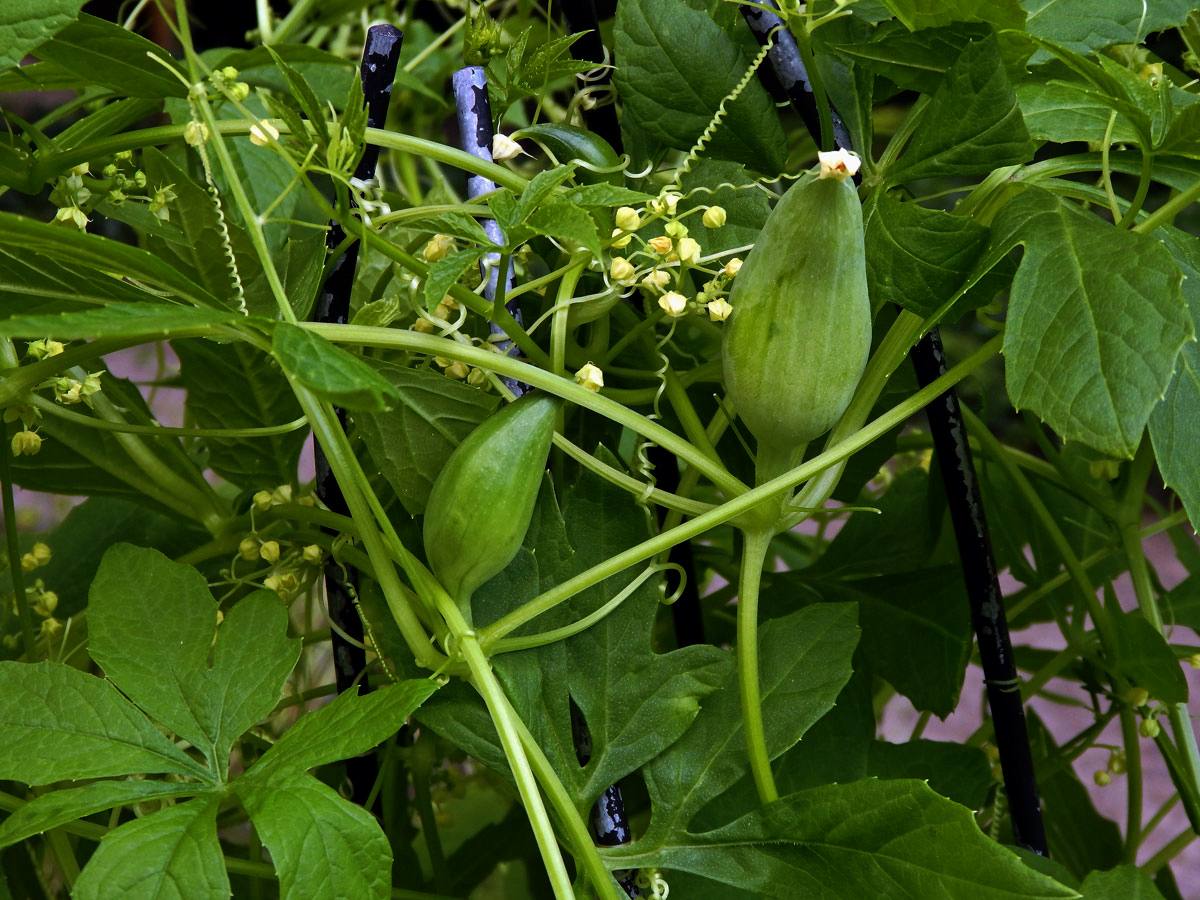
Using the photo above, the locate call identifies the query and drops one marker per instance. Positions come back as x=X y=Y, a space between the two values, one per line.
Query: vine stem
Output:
x=505 y=720
x=754 y=554
x=1129 y=523
x=1133 y=786
x=731 y=509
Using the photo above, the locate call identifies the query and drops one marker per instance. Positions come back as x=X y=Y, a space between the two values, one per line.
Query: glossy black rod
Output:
x=380 y=57
x=987 y=603
x=790 y=74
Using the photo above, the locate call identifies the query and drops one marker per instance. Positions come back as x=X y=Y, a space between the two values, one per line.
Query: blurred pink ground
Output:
x=38 y=512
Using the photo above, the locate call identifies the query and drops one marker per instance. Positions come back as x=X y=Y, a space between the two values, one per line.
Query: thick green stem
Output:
x=568 y=816
x=754 y=554
x=504 y=718
x=1133 y=787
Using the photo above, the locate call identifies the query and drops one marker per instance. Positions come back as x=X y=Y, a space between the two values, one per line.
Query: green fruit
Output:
x=797 y=341
x=482 y=501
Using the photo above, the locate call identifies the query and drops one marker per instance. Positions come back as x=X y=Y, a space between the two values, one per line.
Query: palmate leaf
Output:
x=161 y=662
x=849 y=841
x=677 y=65
x=410 y=443
x=1089 y=348
x=972 y=124
x=152 y=624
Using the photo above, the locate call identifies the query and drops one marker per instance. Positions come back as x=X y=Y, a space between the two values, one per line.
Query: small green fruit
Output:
x=482 y=502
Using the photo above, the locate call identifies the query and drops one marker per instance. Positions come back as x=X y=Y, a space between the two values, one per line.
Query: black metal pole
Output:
x=962 y=496
x=380 y=56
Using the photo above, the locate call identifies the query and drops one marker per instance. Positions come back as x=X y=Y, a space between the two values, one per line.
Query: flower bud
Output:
x=269 y=551
x=732 y=267
x=676 y=229
x=657 y=279
x=26 y=443
x=439 y=247
x=620 y=239
x=40 y=553
x=674 y=303
x=262 y=500
x=248 y=548
x=621 y=270
x=714 y=217
x=504 y=147
x=719 y=310
x=1116 y=762
x=1102 y=778
x=195 y=133
x=263 y=133
x=46 y=604
x=1136 y=696
x=591 y=377
x=1148 y=728
x=313 y=554
x=477 y=378
x=627 y=219
x=457 y=370
x=689 y=251
x=661 y=245
x=1194 y=660
x=239 y=91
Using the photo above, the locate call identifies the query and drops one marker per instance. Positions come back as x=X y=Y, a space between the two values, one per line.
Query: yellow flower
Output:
x=719 y=310
x=590 y=377
x=674 y=303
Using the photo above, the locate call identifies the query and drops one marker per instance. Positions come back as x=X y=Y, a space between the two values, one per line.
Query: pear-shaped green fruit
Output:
x=482 y=501
x=797 y=340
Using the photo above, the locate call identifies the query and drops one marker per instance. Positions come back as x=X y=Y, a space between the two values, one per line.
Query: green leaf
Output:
x=202 y=249
x=676 y=68
x=24 y=24
x=604 y=194
x=77 y=250
x=1141 y=654
x=540 y=188
x=1121 y=883
x=152 y=623
x=333 y=374
x=1086 y=26
x=118 y=59
x=325 y=73
x=1054 y=111
x=804 y=663
x=916 y=631
x=60 y=723
x=173 y=854
x=1175 y=422
x=917 y=258
x=566 y=222
x=444 y=273
x=915 y=62
x=849 y=841
x=303 y=94
x=60 y=807
x=32 y=284
x=1088 y=352
x=236 y=385
x=919 y=14
x=348 y=726
x=410 y=443
x=725 y=184
x=323 y=846
x=971 y=126
x=119 y=319
x=959 y=772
